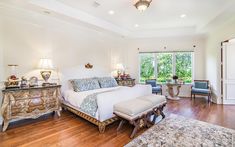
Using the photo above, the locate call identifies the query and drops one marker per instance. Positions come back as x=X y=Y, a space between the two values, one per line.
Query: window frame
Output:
x=173 y=63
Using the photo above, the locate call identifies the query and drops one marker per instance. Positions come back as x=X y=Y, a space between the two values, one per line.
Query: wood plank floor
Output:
x=70 y=130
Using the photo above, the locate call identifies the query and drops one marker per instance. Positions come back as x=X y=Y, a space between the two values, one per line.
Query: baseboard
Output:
x=229 y=102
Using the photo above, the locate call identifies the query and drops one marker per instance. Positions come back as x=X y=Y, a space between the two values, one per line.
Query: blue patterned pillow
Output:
x=85 y=84
x=106 y=82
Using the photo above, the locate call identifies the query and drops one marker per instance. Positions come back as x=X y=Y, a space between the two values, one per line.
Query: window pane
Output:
x=164 y=66
x=184 y=66
x=146 y=66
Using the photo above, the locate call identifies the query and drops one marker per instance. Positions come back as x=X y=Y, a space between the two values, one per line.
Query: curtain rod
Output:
x=163 y=52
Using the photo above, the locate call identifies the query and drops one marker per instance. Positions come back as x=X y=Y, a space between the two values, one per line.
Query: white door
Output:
x=229 y=73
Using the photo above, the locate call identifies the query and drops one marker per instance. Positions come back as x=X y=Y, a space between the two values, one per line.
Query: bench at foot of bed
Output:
x=139 y=111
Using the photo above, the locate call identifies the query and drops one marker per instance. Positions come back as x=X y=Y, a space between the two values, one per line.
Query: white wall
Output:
x=1 y=52
x=31 y=36
x=1 y=63
x=212 y=56
x=158 y=44
x=26 y=36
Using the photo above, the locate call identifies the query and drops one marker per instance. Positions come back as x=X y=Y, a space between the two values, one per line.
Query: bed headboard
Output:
x=79 y=72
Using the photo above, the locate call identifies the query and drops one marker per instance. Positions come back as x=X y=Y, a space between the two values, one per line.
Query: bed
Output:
x=105 y=97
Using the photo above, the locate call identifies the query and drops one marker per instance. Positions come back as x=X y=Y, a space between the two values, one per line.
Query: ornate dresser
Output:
x=126 y=82
x=29 y=102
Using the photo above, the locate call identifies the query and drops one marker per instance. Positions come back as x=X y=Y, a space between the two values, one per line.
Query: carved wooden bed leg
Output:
x=101 y=127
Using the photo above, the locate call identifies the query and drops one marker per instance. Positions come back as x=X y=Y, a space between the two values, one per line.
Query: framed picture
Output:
x=33 y=81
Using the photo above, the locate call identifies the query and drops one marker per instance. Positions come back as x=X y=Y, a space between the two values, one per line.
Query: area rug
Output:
x=178 y=131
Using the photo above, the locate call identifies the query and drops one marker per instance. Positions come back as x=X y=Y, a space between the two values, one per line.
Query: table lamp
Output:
x=45 y=65
x=120 y=69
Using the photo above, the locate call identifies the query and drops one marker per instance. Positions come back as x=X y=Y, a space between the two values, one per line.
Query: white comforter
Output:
x=106 y=100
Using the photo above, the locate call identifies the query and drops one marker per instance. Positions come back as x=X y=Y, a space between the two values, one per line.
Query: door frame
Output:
x=224 y=101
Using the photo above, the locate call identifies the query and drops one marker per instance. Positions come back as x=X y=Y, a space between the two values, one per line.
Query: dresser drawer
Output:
x=49 y=92
x=18 y=95
x=18 y=107
x=35 y=93
x=35 y=104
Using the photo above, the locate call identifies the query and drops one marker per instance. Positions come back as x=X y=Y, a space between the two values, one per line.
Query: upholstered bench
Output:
x=138 y=111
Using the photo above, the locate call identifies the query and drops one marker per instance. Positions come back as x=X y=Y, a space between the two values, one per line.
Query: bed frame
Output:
x=81 y=72
x=101 y=125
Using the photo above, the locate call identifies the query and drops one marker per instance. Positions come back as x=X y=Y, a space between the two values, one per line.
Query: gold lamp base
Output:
x=46 y=75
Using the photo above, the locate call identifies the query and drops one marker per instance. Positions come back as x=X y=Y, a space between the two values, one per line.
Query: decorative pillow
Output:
x=85 y=84
x=106 y=82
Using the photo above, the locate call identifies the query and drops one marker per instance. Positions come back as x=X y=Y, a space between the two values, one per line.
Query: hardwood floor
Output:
x=70 y=130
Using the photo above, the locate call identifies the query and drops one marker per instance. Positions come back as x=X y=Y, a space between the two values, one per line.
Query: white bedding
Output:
x=106 y=100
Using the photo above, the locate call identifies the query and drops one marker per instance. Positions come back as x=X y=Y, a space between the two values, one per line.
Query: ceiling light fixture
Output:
x=111 y=12
x=183 y=15
x=142 y=5
x=136 y=25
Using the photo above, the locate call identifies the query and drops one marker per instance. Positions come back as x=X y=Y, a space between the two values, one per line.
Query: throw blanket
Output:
x=89 y=104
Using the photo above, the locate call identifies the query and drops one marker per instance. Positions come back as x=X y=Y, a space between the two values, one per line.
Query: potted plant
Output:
x=175 y=77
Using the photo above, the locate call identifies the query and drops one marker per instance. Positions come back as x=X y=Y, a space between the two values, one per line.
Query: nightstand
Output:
x=126 y=82
x=31 y=102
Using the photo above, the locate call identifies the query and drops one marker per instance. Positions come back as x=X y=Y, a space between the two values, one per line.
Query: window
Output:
x=147 y=66
x=162 y=66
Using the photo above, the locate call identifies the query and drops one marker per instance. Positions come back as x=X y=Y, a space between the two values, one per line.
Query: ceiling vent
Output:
x=95 y=4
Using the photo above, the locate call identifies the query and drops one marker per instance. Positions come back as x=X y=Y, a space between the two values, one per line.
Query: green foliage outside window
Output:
x=146 y=67
x=164 y=67
x=184 y=66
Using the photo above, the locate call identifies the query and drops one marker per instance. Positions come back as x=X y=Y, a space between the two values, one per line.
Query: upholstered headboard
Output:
x=79 y=72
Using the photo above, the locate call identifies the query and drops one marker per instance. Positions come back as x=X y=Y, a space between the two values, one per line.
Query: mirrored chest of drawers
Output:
x=32 y=102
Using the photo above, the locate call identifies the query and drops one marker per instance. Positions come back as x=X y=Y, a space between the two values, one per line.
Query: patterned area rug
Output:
x=178 y=131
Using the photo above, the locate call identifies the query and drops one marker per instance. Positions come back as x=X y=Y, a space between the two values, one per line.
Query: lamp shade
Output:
x=45 y=64
x=120 y=66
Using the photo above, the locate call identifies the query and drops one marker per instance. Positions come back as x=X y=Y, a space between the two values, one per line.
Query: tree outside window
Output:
x=147 y=66
x=184 y=66
x=163 y=66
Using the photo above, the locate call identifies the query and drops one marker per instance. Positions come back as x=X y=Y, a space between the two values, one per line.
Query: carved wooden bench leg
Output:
x=158 y=111
x=154 y=118
x=136 y=123
x=148 y=122
x=161 y=110
x=162 y=114
x=120 y=125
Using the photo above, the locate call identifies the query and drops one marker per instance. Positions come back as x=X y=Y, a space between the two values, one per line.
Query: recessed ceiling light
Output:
x=183 y=15
x=111 y=12
x=136 y=25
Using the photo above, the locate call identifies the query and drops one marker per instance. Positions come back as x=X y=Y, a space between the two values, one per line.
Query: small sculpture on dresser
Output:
x=24 y=82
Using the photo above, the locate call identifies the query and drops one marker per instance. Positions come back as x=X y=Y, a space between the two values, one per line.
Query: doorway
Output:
x=228 y=71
